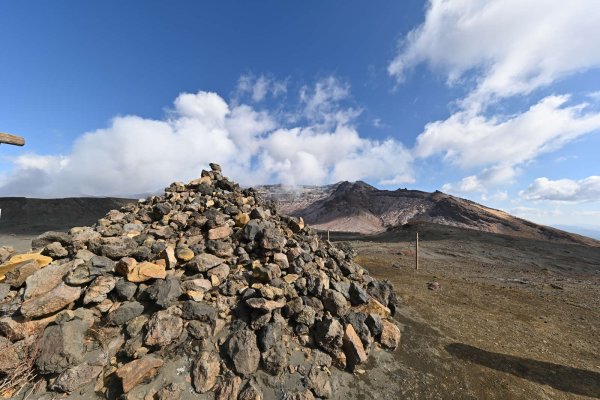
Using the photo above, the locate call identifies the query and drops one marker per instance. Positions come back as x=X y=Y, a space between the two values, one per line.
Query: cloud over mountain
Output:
x=136 y=155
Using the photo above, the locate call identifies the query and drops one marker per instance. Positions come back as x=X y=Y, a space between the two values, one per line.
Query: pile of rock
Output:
x=208 y=275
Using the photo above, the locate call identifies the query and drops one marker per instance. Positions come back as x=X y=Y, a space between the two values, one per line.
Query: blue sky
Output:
x=498 y=102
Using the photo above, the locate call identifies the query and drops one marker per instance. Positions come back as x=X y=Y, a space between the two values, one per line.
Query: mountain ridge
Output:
x=361 y=208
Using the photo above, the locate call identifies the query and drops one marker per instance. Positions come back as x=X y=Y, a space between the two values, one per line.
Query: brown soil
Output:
x=512 y=319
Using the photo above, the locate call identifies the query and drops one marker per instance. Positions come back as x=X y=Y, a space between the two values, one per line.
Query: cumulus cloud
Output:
x=137 y=155
x=500 y=145
x=564 y=190
x=499 y=51
x=512 y=46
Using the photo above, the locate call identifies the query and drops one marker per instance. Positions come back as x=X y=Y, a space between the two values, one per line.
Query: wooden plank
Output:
x=11 y=139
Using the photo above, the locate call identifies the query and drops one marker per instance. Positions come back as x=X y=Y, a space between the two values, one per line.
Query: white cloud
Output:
x=468 y=184
x=136 y=155
x=259 y=87
x=511 y=46
x=500 y=146
x=478 y=141
x=564 y=190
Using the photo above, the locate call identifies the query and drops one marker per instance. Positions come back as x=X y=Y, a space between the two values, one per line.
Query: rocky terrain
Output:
x=204 y=292
x=359 y=207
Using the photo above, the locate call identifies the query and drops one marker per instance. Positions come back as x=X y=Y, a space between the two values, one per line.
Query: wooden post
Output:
x=328 y=235
x=417 y=253
x=11 y=139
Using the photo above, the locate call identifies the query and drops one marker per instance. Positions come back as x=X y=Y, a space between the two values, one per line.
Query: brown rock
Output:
x=259 y=303
x=353 y=348
x=164 y=327
x=16 y=278
x=17 y=328
x=99 y=288
x=140 y=272
x=205 y=371
x=221 y=232
x=48 y=303
x=135 y=371
x=390 y=335
x=250 y=392
x=241 y=219
x=168 y=255
x=374 y=307
x=229 y=389
x=9 y=359
x=184 y=254
x=318 y=381
x=46 y=279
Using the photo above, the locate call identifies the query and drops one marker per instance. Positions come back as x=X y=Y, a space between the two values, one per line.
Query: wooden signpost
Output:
x=11 y=139
x=417 y=253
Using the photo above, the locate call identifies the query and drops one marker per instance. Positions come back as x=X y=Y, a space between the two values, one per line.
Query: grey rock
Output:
x=126 y=312
x=358 y=295
x=55 y=250
x=193 y=310
x=243 y=352
x=164 y=292
x=335 y=303
x=329 y=334
x=76 y=377
x=61 y=347
x=125 y=290
x=275 y=360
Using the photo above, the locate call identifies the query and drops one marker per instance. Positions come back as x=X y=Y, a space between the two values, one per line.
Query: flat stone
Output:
x=61 y=346
x=204 y=261
x=16 y=278
x=18 y=328
x=132 y=373
x=140 y=272
x=353 y=348
x=126 y=312
x=221 y=232
x=193 y=310
x=220 y=271
x=55 y=250
x=99 y=289
x=46 y=279
x=113 y=247
x=374 y=307
x=205 y=371
x=184 y=254
x=259 y=303
x=50 y=302
x=76 y=377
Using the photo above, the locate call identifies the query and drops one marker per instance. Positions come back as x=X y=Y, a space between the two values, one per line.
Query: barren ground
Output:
x=513 y=319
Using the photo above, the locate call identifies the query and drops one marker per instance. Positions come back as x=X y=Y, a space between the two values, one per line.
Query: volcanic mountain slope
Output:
x=362 y=208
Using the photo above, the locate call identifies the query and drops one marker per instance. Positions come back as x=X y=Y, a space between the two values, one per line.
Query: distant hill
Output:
x=22 y=215
x=361 y=208
x=591 y=231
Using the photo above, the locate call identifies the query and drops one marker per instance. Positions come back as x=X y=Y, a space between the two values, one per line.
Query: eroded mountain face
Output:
x=361 y=208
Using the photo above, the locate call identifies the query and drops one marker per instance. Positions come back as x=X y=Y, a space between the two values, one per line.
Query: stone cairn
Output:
x=208 y=272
